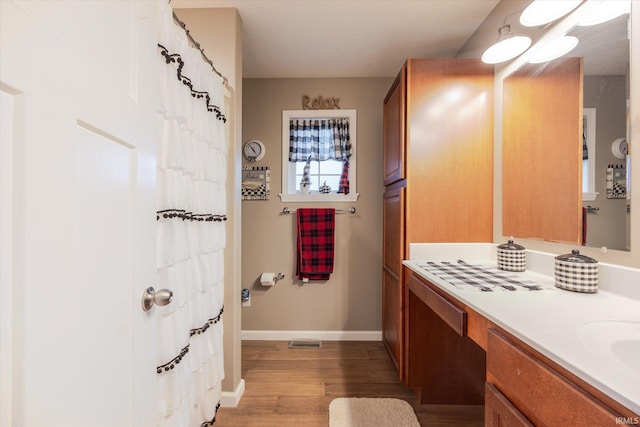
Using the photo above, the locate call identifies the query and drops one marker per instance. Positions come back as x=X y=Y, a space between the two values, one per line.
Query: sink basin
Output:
x=628 y=351
x=619 y=339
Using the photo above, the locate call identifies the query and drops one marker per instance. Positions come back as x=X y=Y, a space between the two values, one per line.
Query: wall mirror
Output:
x=548 y=109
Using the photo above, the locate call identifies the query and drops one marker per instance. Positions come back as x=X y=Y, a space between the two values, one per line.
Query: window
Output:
x=589 y=155
x=319 y=148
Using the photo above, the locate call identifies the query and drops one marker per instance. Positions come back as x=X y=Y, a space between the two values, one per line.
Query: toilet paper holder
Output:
x=270 y=279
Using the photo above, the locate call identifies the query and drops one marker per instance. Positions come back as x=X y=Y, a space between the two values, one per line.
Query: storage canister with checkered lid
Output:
x=512 y=257
x=576 y=272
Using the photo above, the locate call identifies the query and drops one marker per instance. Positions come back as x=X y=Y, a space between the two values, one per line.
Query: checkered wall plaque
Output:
x=255 y=183
x=616 y=182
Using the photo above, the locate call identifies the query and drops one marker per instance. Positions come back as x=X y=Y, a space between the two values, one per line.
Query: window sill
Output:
x=304 y=198
x=589 y=197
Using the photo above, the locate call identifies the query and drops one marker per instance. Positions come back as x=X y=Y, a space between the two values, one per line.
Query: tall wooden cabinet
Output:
x=438 y=172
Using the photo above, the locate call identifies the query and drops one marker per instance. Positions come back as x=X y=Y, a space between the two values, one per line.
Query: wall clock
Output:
x=254 y=150
x=619 y=148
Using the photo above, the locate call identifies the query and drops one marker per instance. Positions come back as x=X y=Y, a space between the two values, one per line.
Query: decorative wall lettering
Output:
x=320 y=103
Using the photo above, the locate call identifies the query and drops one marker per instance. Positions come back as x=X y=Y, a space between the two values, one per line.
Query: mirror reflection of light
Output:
x=554 y=49
x=445 y=102
x=606 y=11
x=455 y=95
x=542 y=12
x=435 y=111
x=451 y=103
x=472 y=107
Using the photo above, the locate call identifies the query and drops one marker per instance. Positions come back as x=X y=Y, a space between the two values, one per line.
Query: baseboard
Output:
x=230 y=399
x=318 y=335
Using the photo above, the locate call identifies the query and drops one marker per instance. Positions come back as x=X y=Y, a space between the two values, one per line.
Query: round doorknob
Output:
x=161 y=297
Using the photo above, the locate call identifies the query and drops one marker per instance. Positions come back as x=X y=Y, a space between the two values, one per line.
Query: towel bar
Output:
x=351 y=210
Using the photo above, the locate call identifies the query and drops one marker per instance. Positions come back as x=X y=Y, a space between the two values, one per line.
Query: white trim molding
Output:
x=318 y=335
x=230 y=399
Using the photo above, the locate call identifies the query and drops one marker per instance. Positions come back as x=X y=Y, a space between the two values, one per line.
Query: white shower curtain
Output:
x=191 y=218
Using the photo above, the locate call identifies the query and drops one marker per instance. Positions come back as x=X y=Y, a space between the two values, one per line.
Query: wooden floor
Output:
x=293 y=387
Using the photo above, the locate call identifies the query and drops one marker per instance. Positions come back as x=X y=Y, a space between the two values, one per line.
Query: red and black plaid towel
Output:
x=316 y=229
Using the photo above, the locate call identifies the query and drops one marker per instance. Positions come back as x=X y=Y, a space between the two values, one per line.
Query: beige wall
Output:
x=351 y=299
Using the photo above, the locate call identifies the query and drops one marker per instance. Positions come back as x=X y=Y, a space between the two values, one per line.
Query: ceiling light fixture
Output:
x=542 y=12
x=507 y=47
x=553 y=49
x=606 y=11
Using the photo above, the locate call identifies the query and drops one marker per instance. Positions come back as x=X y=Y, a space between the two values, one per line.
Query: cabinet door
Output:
x=393 y=224
x=392 y=290
x=393 y=124
x=392 y=332
x=498 y=411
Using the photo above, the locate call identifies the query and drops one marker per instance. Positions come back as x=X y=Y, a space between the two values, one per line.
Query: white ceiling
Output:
x=347 y=38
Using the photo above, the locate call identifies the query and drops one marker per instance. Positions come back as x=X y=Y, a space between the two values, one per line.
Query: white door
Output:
x=77 y=170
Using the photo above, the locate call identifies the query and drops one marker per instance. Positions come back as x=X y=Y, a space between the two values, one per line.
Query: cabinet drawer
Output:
x=540 y=393
x=452 y=315
x=499 y=412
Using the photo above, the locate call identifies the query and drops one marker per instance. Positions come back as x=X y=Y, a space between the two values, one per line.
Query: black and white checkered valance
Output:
x=322 y=139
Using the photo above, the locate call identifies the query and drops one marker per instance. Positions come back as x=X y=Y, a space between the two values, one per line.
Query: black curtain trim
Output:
x=176 y=360
x=188 y=216
x=173 y=362
x=213 y=420
x=176 y=58
x=206 y=326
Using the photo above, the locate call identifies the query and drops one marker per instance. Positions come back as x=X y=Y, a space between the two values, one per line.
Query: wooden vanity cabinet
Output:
x=525 y=387
x=445 y=366
x=438 y=171
x=456 y=356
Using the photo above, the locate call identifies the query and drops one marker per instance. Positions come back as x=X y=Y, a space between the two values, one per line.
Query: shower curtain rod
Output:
x=197 y=45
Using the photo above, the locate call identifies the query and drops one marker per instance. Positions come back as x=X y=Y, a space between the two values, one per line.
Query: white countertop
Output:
x=553 y=320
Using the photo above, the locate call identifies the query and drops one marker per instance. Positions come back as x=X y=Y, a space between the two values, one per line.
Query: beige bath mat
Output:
x=368 y=412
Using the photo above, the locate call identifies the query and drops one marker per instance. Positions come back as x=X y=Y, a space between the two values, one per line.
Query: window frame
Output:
x=290 y=188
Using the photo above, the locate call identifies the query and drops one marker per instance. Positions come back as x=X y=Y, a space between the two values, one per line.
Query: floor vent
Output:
x=305 y=343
